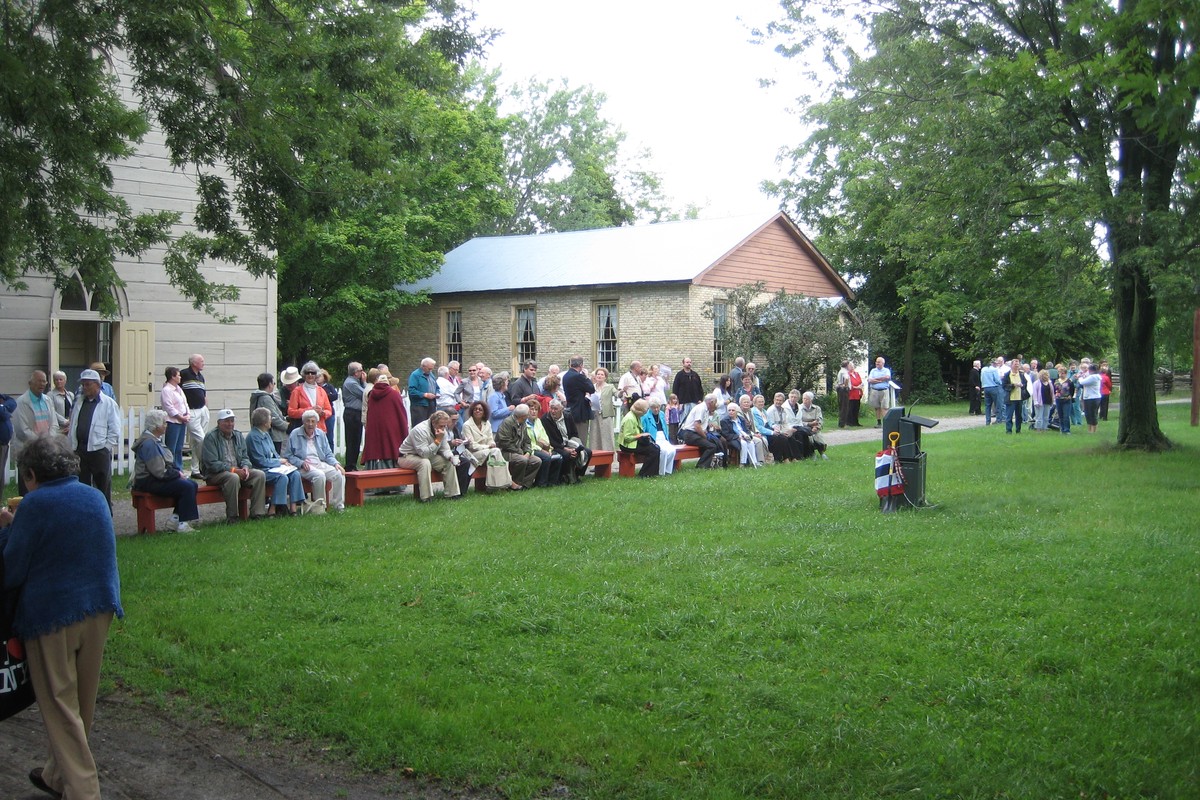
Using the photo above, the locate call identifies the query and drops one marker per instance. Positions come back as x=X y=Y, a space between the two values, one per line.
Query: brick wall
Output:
x=656 y=323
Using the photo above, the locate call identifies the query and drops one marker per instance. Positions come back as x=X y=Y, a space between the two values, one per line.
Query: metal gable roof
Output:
x=666 y=251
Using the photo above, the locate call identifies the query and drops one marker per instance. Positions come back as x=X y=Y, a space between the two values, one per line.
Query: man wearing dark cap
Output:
x=95 y=433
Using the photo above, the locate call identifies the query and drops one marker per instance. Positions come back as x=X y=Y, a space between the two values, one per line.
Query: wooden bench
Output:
x=602 y=463
x=627 y=462
x=359 y=481
x=145 y=504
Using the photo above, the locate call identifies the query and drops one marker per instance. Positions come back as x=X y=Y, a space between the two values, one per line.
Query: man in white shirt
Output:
x=95 y=433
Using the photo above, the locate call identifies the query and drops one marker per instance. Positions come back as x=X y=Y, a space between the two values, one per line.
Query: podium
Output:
x=908 y=450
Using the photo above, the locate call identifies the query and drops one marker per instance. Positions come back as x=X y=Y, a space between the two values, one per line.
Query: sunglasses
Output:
x=309 y=372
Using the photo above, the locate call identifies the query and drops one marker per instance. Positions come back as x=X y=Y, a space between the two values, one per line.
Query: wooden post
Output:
x=1195 y=363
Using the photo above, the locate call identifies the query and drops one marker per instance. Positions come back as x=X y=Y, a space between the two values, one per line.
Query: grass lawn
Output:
x=722 y=634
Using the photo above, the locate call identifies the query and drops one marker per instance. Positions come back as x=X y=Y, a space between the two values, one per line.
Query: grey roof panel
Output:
x=667 y=251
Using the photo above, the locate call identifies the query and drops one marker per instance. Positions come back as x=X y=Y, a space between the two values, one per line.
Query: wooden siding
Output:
x=235 y=353
x=777 y=257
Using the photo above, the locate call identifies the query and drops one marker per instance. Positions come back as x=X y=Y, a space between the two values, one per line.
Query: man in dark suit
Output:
x=560 y=430
x=577 y=386
x=976 y=388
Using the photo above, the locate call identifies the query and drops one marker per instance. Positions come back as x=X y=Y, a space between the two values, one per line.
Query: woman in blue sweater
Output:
x=60 y=551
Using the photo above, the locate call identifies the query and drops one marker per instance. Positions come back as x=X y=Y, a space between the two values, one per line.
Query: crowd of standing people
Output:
x=1054 y=397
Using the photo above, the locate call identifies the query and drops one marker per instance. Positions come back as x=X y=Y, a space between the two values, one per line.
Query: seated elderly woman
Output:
x=154 y=471
x=633 y=439
x=746 y=407
x=308 y=450
x=283 y=490
x=480 y=447
x=813 y=418
x=739 y=436
x=654 y=422
x=777 y=448
x=426 y=449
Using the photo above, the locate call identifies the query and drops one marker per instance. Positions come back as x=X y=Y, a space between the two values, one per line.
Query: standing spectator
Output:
x=192 y=383
x=688 y=387
x=1014 y=390
x=975 y=388
x=604 y=412
x=60 y=553
x=34 y=417
x=447 y=392
x=309 y=395
x=422 y=391
x=287 y=383
x=1043 y=400
x=735 y=374
x=331 y=392
x=387 y=425
x=105 y=387
x=856 y=395
x=174 y=403
x=1064 y=396
x=1105 y=389
x=654 y=387
x=629 y=387
x=95 y=434
x=353 y=389
x=266 y=398
x=524 y=386
x=578 y=388
x=63 y=399
x=993 y=394
x=8 y=407
x=879 y=381
x=499 y=408
x=842 y=386
x=1089 y=385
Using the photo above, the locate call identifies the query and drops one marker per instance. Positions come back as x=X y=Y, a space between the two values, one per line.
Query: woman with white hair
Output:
x=738 y=436
x=654 y=422
x=813 y=418
x=447 y=392
x=283 y=490
x=154 y=472
x=308 y=450
x=308 y=395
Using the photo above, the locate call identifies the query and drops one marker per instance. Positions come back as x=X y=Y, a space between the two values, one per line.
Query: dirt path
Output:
x=145 y=754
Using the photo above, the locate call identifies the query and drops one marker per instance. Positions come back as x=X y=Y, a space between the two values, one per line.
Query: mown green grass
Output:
x=718 y=634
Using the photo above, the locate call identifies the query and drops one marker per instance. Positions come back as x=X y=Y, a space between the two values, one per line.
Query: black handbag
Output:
x=16 y=690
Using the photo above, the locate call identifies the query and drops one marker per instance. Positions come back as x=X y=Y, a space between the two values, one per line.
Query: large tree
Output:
x=567 y=169
x=330 y=141
x=1049 y=119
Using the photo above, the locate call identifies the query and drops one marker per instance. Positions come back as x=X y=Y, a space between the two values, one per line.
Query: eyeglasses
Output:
x=309 y=372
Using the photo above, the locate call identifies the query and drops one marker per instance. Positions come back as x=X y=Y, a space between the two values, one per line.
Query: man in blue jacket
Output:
x=422 y=391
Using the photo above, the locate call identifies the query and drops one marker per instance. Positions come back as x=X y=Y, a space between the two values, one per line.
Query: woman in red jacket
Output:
x=309 y=394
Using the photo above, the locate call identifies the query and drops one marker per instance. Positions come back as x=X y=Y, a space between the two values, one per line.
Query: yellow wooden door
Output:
x=134 y=365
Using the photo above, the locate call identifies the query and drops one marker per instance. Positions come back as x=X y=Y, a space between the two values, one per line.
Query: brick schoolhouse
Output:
x=613 y=295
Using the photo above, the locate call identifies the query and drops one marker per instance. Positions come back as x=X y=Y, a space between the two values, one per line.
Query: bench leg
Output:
x=145 y=519
x=355 y=496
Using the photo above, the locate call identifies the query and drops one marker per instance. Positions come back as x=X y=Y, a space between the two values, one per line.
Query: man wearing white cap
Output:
x=95 y=433
x=191 y=380
x=227 y=464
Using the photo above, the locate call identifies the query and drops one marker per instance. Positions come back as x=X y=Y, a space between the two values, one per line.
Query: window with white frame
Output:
x=606 y=336
x=525 y=336
x=452 y=342
x=720 y=320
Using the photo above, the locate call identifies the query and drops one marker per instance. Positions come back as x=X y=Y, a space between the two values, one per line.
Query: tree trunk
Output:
x=1137 y=313
x=910 y=343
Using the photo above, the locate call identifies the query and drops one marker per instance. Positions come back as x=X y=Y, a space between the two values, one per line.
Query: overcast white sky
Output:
x=682 y=78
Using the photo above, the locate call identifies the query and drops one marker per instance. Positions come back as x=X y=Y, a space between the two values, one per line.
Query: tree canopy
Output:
x=330 y=143
x=566 y=165
x=965 y=164
x=800 y=339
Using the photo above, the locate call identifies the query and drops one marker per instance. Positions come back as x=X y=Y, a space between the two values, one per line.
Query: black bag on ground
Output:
x=16 y=690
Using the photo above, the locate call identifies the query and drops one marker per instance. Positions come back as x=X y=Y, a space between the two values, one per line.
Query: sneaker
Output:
x=183 y=527
x=175 y=521
x=824 y=457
